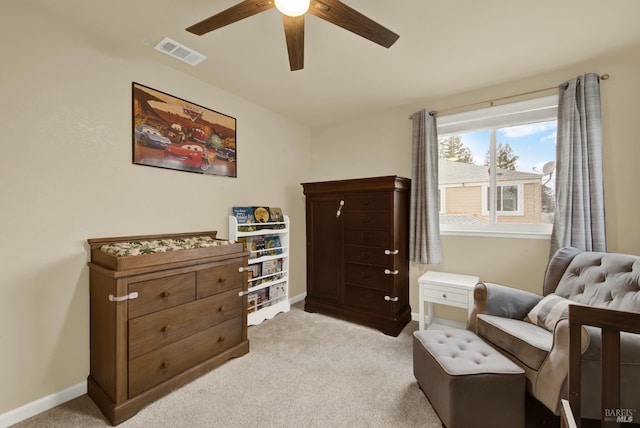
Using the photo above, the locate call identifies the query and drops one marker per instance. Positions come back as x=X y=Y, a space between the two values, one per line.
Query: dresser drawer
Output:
x=446 y=295
x=374 y=201
x=367 y=220
x=219 y=279
x=375 y=238
x=159 y=329
x=369 y=300
x=162 y=293
x=369 y=276
x=162 y=364
x=369 y=255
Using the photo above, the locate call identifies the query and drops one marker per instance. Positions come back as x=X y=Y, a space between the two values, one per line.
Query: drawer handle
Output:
x=221 y=280
x=242 y=268
x=365 y=238
x=129 y=296
x=165 y=294
x=364 y=255
x=390 y=299
x=165 y=329
x=366 y=220
x=444 y=296
x=221 y=339
x=391 y=272
x=391 y=252
x=165 y=365
x=366 y=202
x=221 y=309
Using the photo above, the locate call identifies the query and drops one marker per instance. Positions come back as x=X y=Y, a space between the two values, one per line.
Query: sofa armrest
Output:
x=551 y=380
x=502 y=301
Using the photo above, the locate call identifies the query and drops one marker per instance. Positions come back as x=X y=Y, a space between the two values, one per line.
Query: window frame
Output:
x=535 y=110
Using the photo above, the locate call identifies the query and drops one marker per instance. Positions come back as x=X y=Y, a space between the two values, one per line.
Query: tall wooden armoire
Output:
x=358 y=251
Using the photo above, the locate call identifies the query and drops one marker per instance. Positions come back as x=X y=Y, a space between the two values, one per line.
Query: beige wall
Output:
x=66 y=175
x=380 y=144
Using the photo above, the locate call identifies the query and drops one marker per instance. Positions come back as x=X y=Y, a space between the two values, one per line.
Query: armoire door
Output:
x=324 y=249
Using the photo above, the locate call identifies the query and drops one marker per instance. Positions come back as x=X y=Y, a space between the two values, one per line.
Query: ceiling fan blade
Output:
x=350 y=19
x=294 y=33
x=235 y=13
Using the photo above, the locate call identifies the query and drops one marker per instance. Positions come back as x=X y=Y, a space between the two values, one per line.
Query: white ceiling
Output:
x=445 y=47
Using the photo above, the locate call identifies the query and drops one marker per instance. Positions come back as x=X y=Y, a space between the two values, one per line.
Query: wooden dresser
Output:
x=161 y=320
x=358 y=251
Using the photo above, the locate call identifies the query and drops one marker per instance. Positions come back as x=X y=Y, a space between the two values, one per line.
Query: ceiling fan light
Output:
x=292 y=7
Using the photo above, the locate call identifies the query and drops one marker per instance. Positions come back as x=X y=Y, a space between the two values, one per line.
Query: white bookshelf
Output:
x=268 y=308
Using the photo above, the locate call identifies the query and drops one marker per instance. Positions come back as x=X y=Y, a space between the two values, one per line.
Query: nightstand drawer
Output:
x=438 y=294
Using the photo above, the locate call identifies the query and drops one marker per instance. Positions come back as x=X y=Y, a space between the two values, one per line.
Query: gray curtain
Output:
x=579 y=220
x=424 y=226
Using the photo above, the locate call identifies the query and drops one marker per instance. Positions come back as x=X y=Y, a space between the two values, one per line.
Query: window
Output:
x=497 y=169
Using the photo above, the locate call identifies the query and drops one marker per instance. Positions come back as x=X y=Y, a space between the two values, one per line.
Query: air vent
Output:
x=181 y=52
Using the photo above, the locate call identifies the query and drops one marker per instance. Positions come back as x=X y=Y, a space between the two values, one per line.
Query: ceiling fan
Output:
x=293 y=12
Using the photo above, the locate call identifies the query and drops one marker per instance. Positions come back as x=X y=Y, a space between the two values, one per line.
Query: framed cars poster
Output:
x=169 y=132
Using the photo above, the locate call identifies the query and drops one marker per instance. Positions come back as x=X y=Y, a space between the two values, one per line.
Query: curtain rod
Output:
x=602 y=77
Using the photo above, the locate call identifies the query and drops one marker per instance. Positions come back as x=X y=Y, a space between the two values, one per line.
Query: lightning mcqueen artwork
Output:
x=191 y=154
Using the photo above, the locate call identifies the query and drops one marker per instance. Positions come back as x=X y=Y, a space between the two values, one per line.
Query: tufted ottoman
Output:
x=468 y=383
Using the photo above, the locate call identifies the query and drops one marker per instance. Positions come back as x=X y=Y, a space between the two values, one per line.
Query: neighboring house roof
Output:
x=460 y=219
x=459 y=172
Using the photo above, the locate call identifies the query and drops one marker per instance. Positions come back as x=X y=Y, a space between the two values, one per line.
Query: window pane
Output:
x=509 y=198
x=462 y=178
x=525 y=157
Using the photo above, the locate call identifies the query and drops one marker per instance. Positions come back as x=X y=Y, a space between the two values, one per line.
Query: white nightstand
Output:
x=446 y=289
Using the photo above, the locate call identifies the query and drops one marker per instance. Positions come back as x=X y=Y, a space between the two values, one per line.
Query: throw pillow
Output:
x=549 y=311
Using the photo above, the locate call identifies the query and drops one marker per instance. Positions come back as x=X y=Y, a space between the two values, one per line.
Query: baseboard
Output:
x=295 y=299
x=441 y=321
x=41 y=405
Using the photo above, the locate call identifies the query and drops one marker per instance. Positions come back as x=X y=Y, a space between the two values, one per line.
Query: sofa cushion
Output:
x=527 y=342
x=604 y=280
x=548 y=311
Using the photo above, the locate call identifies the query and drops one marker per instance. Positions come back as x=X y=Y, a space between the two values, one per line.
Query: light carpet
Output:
x=302 y=370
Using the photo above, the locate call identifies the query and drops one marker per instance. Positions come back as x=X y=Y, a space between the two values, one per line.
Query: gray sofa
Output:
x=533 y=330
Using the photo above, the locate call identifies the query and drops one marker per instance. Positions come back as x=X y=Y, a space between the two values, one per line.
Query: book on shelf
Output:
x=278 y=292
x=263 y=297
x=272 y=269
x=272 y=245
x=261 y=215
x=245 y=218
x=254 y=244
x=276 y=216
x=255 y=271
x=252 y=302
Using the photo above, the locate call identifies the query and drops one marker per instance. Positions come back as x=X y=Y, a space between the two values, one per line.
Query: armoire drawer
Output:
x=162 y=364
x=162 y=293
x=374 y=238
x=367 y=220
x=374 y=201
x=368 y=299
x=369 y=255
x=369 y=276
x=219 y=279
x=159 y=329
